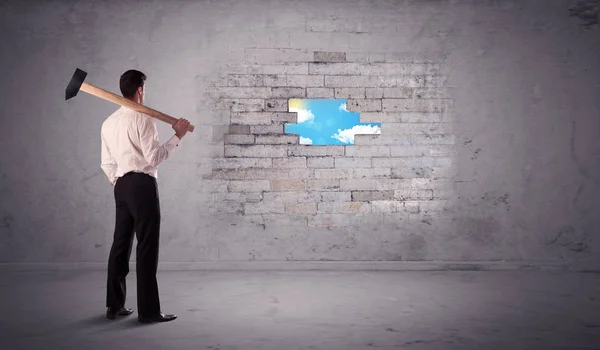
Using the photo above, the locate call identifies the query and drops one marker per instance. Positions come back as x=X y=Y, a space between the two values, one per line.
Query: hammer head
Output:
x=75 y=83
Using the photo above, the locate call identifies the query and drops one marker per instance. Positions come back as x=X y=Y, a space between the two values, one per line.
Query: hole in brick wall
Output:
x=327 y=122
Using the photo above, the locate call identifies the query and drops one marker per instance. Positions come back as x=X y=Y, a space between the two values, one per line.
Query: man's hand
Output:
x=181 y=127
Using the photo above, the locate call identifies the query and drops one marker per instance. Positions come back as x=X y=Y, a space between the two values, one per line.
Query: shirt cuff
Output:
x=174 y=140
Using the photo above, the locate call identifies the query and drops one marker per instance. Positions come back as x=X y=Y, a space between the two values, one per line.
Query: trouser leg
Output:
x=120 y=252
x=147 y=228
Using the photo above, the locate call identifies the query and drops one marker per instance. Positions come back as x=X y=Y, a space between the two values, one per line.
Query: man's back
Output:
x=130 y=143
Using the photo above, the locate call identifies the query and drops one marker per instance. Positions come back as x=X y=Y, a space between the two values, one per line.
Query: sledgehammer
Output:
x=77 y=83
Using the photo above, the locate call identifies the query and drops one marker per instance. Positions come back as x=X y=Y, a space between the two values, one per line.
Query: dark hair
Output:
x=131 y=81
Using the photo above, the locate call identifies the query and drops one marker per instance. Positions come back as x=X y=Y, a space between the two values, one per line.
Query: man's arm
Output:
x=108 y=164
x=153 y=151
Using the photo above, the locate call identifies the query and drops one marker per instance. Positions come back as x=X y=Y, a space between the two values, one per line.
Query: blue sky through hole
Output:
x=327 y=122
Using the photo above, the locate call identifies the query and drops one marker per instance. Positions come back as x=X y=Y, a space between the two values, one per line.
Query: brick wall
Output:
x=404 y=171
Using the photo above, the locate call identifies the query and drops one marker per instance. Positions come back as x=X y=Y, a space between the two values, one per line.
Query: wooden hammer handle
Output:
x=109 y=96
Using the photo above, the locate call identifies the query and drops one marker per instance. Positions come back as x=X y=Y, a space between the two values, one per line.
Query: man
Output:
x=131 y=153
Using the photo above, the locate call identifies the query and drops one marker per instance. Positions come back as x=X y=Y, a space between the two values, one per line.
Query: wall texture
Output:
x=488 y=151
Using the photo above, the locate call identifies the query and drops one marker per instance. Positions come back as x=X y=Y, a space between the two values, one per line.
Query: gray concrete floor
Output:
x=309 y=310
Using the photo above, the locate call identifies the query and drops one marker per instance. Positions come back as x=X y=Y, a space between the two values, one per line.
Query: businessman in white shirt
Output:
x=131 y=153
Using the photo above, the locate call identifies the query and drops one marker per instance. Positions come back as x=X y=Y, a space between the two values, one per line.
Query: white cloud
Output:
x=342 y=107
x=347 y=135
x=305 y=141
x=304 y=115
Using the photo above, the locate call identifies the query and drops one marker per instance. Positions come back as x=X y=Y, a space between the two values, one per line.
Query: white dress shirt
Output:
x=130 y=143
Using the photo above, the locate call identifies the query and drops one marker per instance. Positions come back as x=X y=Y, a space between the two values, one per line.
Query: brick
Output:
x=305 y=81
x=333 y=173
x=263 y=208
x=319 y=92
x=323 y=184
x=260 y=173
x=289 y=139
x=442 y=151
x=263 y=118
x=367 y=196
x=372 y=69
x=323 y=56
x=411 y=81
x=398 y=92
x=274 y=80
x=292 y=197
x=364 y=105
x=412 y=207
x=442 y=172
x=248 y=105
x=433 y=139
x=384 y=206
x=413 y=194
x=278 y=220
x=248 y=186
x=416 y=128
x=237 y=197
x=363 y=162
x=288 y=68
x=336 y=196
x=401 y=117
x=288 y=185
x=231 y=139
x=240 y=92
x=343 y=207
x=301 y=208
x=397 y=162
x=409 y=151
x=371 y=173
x=410 y=173
x=357 y=56
x=232 y=163
x=235 y=80
x=320 y=162
x=237 y=105
x=359 y=81
x=367 y=151
x=288 y=92
x=289 y=162
x=267 y=129
x=385 y=140
x=251 y=151
x=305 y=150
x=374 y=184
x=242 y=68
x=409 y=105
x=434 y=81
x=432 y=183
x=350 y=93
x=277 y=56
x=432 y=92
x=374 y=92
x=276 y=105
x=239 y=129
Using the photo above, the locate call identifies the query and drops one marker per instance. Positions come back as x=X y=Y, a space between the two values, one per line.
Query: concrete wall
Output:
x=489 y=146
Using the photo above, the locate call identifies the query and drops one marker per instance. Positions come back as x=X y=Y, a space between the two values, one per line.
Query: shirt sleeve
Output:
x=153 y=151
x=108 y=163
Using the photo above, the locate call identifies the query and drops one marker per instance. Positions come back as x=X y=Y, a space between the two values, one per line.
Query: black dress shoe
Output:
x=160 y=318
x=112 y=312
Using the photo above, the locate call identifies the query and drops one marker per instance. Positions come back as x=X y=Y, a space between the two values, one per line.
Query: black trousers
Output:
x=137 y=209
